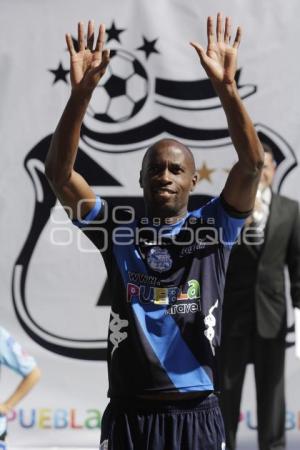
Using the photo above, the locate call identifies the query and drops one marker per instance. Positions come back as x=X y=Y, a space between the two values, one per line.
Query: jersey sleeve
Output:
x=100 y=222
x=225 y=218
x=95 y=224
x=12 y=355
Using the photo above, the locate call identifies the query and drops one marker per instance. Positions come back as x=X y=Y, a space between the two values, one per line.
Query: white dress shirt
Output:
x=261 y=209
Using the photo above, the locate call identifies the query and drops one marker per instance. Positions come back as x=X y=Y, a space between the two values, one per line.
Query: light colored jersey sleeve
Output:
x=12 y=355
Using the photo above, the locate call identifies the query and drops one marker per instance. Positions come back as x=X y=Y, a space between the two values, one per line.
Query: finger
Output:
x=219 y=29
x=101 y=64
x=106 y=54
x=100 y=39
x=200 y=50
x=99 y=70
x=70 y=44
x=90 y=36
x=238 y=37
x=105 y=60
x=227 y=34
x=210 y=31
x=81 y=43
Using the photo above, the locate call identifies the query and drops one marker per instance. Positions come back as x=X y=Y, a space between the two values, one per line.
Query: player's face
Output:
x=268 y=171
x=167 y=177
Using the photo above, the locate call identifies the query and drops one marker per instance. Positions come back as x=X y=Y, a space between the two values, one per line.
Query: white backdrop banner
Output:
x=54 y=297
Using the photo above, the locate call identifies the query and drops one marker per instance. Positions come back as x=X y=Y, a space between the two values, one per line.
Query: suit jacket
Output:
x=255 y=296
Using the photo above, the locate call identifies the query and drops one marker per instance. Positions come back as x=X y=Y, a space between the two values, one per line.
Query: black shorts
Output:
x=194 y=424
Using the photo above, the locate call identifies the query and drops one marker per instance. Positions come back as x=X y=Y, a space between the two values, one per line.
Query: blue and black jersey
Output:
x=166 y=285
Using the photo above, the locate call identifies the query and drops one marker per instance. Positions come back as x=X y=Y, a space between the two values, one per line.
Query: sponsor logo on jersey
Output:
x=163 y=295
x=183 y=308
x=117 y=335
x=210 y=323
x=190 y=249
x=136 y=277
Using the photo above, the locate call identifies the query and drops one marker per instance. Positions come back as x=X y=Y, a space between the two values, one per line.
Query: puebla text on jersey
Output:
x=166 y=288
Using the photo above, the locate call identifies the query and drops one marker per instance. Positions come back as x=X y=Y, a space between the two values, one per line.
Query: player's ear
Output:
x=194 y=181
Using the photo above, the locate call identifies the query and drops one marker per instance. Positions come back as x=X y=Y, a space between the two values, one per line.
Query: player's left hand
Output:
x=220 y=59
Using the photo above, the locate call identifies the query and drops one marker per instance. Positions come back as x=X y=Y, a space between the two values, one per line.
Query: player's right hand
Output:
x=89 y=63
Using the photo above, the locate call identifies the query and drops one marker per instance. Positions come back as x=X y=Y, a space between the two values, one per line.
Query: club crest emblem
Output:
x=130 y=110
x=159 y=259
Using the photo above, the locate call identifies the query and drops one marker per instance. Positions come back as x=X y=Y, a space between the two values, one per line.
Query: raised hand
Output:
x=88 y=65
x=220 y=59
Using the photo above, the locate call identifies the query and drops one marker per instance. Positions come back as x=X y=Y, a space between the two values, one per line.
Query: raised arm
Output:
x=220 y=64
x=88 y=65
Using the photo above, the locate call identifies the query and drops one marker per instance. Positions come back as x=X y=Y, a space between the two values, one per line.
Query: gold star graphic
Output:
x=204 y=173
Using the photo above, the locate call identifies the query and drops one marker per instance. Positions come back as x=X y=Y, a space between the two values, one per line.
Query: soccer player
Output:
x=15 y=358
x=166 y=270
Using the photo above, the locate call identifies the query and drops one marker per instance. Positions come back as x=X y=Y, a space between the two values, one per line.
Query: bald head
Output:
x=176 y=146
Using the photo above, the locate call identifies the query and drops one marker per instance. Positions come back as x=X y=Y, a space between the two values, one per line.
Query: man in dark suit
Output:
x=254 y=318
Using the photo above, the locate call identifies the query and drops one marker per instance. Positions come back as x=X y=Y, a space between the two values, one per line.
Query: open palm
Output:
x=220 y=58
x=88 y=64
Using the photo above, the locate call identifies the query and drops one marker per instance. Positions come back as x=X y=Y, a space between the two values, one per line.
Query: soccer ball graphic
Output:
x=124 y=91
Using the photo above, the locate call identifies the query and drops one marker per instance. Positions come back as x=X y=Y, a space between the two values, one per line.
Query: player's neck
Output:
x=165 y=218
